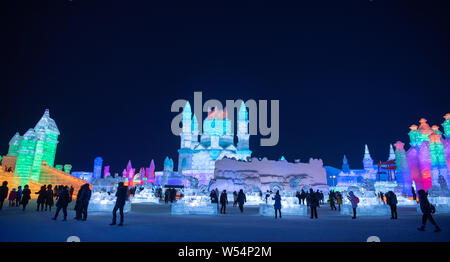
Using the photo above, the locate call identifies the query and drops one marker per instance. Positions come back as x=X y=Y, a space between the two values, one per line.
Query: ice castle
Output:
x=199 y=152
x=31 y=158
x=38 y=144
x=426 y=163
x=368 y=174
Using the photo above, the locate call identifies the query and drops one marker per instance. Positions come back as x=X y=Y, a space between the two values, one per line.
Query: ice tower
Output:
x=367 y=160
x=446 y=126
x=402 y=173
x=243 y=135
x=38 y=145
x=47 y=126
x=428 y=158
x=345 y=166
x=14 y=144
x=26 y=155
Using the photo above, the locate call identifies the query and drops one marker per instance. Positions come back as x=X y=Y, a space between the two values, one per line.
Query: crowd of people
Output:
x=239 y=199
x=62 y=194
x=47 y=195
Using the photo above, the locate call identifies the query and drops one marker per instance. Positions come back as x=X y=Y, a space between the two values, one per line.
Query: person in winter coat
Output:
x=12 y=197
x=77 y=207
x=49 y=198
x=166 y=196
x=214 y=197
x=332 y=198
x=241 y=200
x=121 y=198
x=354 y=200
x=277 y=204
x=427 y=210
x=339 y=200
x=41 y=198
x=173 y=195
x=235 y=194
x=71 y=192
x=56 y=192
x=223 y=202
x=84 y=200
x=63 y=200
x=18 y=196
x=382 y=197
x=391 y=200
x=26 y=196
x=3 y=193
x=313 y=202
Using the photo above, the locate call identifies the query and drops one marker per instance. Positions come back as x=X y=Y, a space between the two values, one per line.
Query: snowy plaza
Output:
x=154 y=223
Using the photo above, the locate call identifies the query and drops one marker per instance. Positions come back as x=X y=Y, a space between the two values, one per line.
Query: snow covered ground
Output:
x=151 y=222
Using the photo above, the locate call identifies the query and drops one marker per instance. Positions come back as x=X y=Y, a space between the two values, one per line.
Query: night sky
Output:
x=347 y=73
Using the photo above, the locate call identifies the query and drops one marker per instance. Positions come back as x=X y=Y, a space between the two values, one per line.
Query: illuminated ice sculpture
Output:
x=289 y=207
x=194 y=205
x=105 y=202
x=369 y=204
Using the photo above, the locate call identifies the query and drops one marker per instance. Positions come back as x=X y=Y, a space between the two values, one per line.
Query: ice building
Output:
x=426 y=163
x=199 y=152
x=263 y=174
x=371 y=173
x=347 y=176
x=31 y=157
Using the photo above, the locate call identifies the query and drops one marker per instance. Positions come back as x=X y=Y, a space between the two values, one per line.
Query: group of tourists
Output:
x=16 y=198
x=239 y=199
x=335 y=197
x=303 y=196
x=63 y=196
x=170 y=195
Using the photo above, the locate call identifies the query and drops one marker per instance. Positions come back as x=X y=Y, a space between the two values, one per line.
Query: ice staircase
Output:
x=14 y=182
x=48 y=175
x=53 y=176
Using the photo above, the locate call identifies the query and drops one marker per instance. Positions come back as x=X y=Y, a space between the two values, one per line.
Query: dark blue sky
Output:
x=346 y=72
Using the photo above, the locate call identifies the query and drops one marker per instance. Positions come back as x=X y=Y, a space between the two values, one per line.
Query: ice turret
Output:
x=14 y=144
x=26 y=155
x=47 y=126
x=242 y=133
x=414 y=135
x=446 y=126
x=391 y=153
x=345 y=166
x=439 y=169
x=98 y=163
x=367 y=161
x=186 y=134
x=403 y=173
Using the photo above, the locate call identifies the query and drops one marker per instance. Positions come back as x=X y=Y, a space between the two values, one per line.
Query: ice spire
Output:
x=366 y=153
x=14 y=144
x=391 y=153
x=243 y=114
x=47 y=123
x=446 y=125
x=345 y=166
x=367 y=161
x=194 y=124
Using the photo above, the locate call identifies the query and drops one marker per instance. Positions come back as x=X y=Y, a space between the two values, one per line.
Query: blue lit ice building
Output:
x=341 y=179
